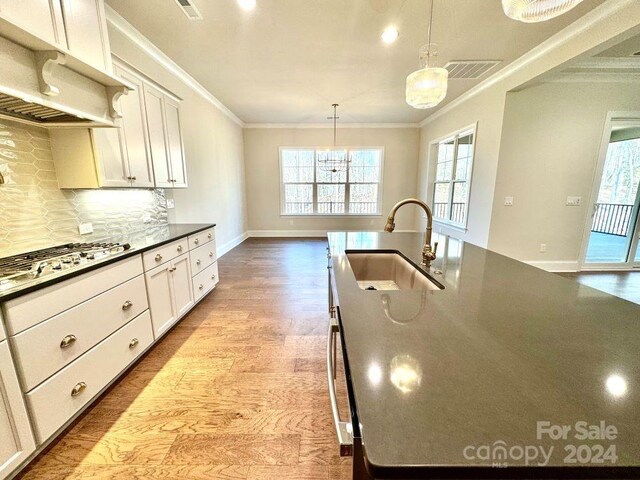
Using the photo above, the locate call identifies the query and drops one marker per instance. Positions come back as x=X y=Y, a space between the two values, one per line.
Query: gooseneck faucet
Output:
x=428 y=253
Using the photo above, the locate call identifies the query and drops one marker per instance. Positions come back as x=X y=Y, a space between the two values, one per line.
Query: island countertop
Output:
x=441 y=377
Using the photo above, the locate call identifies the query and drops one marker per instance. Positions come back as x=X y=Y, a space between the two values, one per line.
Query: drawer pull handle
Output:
x=196 y=241
x=179 y=248
x=78 y=389
x=211 y=254
x=173 y=269
x=198 y=262
x=127 y=305
x=209 y=236
x=158 y=257
x=134 y=343
x=68 y=341
x=213 y=277
x=200 y=287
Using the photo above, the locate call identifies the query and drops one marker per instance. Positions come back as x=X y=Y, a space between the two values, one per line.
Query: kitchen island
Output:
x=507 y=371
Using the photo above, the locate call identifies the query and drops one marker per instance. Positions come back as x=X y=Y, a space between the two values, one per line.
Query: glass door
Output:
x=613 y=239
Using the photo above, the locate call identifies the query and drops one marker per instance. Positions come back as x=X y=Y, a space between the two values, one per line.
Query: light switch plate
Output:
x=85 y=228
x=171 y=203
x=508 y=201
x=574 y=201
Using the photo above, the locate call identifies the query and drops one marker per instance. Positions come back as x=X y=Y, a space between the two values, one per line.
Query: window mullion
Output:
x=453 y=176
x=347 y=187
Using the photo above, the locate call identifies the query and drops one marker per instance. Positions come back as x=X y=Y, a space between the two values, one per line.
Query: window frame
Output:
x=434 y=148
x=315 y=183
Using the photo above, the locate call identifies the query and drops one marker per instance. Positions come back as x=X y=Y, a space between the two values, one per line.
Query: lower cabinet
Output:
x=16 y=439
x=57 y=399
x=170 y=292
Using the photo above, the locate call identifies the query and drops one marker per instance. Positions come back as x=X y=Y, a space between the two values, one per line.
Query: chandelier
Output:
x=427 y=87
x=531 y=11
x=333 y=161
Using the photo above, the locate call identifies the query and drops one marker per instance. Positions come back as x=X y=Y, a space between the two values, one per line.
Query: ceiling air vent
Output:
x=189 y=9
x=470 y=69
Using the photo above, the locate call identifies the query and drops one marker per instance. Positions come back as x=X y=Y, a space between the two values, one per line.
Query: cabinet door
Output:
x=161 y=302
x=15 y=431
x=153 y=100
x=112 y=165
x=134 y=132
x=39 y=17
x=174 y=139
x=86 y=29
x=182 y=284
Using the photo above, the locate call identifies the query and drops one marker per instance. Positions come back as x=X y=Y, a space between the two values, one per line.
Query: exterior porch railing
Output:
x=612 y=218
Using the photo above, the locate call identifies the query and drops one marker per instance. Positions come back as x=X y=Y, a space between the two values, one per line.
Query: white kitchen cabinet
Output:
x=170 y=292
x=42 y=18
x=86 y=31
x=17 y=441
x=165 y=137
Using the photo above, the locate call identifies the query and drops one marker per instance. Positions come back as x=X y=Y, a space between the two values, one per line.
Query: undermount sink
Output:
x=388 y=271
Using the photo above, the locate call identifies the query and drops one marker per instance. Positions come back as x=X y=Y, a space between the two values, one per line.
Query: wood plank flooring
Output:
x=621 y=284
x=237 y=390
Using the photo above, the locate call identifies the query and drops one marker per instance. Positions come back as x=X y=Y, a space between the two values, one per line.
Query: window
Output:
x=453 y=178
x=309 y=190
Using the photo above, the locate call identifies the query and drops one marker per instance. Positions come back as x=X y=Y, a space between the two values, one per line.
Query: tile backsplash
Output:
x=35 y=213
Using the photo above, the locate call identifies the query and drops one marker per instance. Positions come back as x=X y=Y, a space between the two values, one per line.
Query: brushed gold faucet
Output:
x=428 y=253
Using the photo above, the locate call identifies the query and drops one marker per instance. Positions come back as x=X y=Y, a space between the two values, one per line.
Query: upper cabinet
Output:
x=86 y=31
x=144 y=151
x=42 y=18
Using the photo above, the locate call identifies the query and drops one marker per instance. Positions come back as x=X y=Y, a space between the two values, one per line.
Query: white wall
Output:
x=261 y=147
x=550 y=146
x=601 y=28
x=213 y=150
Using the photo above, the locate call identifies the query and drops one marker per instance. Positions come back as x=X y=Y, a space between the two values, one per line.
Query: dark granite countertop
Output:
x=444 y=378
x=140 y=241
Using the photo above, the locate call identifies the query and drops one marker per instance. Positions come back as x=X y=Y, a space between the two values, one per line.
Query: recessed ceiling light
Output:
x=247 y=4
x=390 y=35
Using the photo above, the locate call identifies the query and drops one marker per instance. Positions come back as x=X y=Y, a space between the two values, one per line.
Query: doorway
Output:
x=614 y=228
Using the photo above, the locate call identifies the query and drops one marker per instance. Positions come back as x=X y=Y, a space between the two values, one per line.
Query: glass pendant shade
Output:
x=427 y=87
x=531 y=11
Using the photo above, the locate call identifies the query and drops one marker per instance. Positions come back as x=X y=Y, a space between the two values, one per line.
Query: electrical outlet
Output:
x=171 y=203
x=85 y=228
x=543 y=248
x=574 y=201
x=508 y=201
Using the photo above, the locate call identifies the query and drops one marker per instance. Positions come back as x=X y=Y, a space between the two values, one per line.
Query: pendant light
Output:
x=531 y=11
x=333 y=162
x=427 y=87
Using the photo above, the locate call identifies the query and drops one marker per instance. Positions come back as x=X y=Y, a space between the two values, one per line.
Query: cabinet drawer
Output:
x=31 y=309
x=61 y=396
x=200 y=238
x=202 y=257
x=205 y=281
x=163 y=254
x=46 y=348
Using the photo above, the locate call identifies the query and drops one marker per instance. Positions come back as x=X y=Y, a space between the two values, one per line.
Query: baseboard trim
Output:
x=231 y=244
x=556 y=266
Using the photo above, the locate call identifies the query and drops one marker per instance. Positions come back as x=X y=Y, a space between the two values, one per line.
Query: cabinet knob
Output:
x=78 y=389
x=179 y=248
x=196 y=241
x=211 y=254
x=198 y=262
x=134 y=343
x=173 y=269
x=213 y=277
x=200 y=287
x=68 y=341
x=127 y=305
x=158 y=257
x=133 y=178
x=209 y=236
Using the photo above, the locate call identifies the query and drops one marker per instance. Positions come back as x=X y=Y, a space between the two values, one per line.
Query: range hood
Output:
x=45 y=85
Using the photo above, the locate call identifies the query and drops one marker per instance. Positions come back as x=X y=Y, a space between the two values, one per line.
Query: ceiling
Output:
x=289 y=60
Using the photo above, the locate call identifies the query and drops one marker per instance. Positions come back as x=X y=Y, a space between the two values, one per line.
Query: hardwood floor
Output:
x=237 y=390
x=621 y=284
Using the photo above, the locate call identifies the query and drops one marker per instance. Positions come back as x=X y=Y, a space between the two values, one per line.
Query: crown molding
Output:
x=586 y=22
x=128 y=30
x=327 y=125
